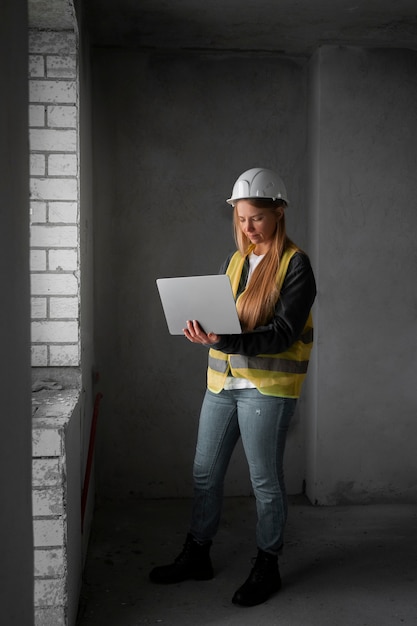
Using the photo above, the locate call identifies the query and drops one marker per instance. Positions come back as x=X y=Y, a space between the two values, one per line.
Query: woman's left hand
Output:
x=196 y=334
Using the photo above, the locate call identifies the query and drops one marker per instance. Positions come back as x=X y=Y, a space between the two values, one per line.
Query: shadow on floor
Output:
x=341 y=566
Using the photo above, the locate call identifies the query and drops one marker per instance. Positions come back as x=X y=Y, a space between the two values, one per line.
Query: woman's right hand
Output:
x=196 y=334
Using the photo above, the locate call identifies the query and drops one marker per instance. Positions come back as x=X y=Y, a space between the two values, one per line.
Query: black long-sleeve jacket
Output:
x=291 y=312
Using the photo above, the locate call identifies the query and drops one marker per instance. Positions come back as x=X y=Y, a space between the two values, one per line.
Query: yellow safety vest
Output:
x=279 y=375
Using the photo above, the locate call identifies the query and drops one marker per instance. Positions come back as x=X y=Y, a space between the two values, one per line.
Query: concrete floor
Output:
x=341 y=566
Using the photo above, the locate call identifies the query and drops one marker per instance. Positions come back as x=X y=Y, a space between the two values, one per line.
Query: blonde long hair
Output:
x=255 y=306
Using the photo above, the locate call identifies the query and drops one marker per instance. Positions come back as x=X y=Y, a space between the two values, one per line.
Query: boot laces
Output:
x=185 y=554
x=261 y=569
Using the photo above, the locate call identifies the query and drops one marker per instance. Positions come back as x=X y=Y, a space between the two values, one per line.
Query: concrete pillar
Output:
x=363 y=137
x=16 y=552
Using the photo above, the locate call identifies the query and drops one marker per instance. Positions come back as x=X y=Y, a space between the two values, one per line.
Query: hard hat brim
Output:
x=232 y=201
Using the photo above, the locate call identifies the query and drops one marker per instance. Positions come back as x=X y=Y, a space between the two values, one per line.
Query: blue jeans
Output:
x=262 y=422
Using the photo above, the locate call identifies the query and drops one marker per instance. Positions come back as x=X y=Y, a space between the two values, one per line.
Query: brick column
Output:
x=54 y=185
x=52 y=499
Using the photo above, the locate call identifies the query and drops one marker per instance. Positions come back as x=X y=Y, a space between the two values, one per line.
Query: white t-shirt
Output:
x=231 y=381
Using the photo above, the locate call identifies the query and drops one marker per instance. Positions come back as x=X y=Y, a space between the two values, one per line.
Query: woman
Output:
x=254 y=380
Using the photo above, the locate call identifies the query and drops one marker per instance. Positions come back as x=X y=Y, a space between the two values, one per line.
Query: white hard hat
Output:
x=258 y=182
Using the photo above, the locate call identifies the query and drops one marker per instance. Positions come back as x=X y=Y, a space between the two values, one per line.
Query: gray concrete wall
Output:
x=364 y=221
x=88 y=368
x=172 y=133
x=16 y=554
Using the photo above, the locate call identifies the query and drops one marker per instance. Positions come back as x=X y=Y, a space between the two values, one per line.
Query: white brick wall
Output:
x=61 y=116
x=38 y=260
x=49 y=563
x=51 y=417
x=63 y=307
x=62 y=165
x=64 y=212
x=62 y=260
x=48 y=532
x=51 y=91
x=59 y=284
x=36 y=115
x=50 y=592
x=38 y=308
x=54 y=188
x=37 y=165
x=54 y=241
x=46 y=139
x=39 y=355
x=63 y=356
x=64 y=332
x=51 y=236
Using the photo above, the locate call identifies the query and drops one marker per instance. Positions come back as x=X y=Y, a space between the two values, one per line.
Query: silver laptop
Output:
x=207 y=299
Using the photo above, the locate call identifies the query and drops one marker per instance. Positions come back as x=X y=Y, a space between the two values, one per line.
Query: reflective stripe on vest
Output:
x=273 y=374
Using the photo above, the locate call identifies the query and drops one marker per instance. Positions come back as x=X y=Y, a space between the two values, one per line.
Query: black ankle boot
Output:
x=263 y=581
x=193 y=563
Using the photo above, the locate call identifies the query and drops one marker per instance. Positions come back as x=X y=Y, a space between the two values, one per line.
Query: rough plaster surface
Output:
x=172 y=133
x=366 y=258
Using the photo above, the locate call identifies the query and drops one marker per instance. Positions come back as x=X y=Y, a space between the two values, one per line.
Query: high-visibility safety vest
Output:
x=279 y=375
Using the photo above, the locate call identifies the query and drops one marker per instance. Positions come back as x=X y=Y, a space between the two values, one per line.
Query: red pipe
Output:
x=90 y=457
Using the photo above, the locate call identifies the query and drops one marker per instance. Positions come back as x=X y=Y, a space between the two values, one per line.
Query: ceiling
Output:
x=294 y=27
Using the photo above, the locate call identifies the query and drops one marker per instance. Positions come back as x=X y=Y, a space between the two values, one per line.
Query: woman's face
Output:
x=259 y=225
